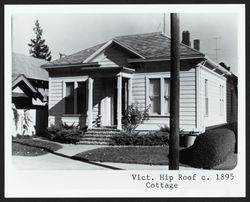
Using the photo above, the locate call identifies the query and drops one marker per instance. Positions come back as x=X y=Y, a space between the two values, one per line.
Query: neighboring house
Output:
x=29 y=95
x=101 y=81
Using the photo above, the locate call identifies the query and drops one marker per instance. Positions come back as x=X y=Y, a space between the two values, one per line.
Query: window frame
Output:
x=162 y=84
x=75 y=80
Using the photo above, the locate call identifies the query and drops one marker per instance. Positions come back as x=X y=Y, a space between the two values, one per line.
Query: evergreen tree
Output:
x=38 y=48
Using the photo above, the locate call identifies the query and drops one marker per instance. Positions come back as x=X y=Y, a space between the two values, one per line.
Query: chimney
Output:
x=186 y=38
x=197 y=44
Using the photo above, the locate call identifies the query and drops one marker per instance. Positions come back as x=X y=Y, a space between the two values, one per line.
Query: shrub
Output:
x=134 y=116
x=136 y=139
x=64 y=133
x=18 y=136
x=209 y=149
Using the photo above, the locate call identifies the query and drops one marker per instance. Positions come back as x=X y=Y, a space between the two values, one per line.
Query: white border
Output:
x=19 y=183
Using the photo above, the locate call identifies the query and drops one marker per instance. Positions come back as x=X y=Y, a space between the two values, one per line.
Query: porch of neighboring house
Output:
x=98 y=99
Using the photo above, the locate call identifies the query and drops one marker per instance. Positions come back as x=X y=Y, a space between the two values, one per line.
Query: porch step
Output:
x=99 y=136
x=92 y=143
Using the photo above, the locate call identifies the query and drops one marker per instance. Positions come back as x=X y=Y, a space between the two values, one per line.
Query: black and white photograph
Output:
x=97 y=91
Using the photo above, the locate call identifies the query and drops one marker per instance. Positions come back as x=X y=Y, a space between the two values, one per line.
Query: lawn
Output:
x=33 y=147
x=154 y=155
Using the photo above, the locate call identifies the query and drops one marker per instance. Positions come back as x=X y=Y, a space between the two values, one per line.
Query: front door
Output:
x=108 y=103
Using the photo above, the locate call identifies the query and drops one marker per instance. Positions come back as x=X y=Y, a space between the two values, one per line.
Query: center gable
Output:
x=114 y=55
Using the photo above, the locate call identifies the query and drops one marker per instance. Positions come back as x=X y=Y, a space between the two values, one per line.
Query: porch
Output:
x=108 y=94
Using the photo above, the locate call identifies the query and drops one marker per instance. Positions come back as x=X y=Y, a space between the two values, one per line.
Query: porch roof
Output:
x=145 y=46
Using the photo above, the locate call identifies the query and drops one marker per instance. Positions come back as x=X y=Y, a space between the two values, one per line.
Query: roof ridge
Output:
x=145 y=33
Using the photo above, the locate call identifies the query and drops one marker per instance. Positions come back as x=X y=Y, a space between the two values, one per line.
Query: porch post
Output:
x=119 y=102
x=90 y=102
x=129 y=91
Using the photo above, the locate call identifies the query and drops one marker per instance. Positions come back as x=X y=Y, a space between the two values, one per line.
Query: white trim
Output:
x=162 y=96
x=75 y=96
x=75 y=80
x=162 y=59
x=161 y=77
x=211 y=71
x=107 y=45
x=97 y=51
x=130 y=86
x=122 y=45
x=125 y=75
x=218 y=66
x=72 y=78
x=119 y=102
x=90 y=103
x=199 y=119
x=156 y=74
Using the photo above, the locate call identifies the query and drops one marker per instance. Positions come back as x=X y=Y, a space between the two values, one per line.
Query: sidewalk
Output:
x=61 y=160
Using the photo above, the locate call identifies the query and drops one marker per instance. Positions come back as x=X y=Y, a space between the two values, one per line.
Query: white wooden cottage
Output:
x=101 y=81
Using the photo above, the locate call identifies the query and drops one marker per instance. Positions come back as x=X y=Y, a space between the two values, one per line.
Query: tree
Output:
x=38 y=48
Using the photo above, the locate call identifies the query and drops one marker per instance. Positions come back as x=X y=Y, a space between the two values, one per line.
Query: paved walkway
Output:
x=61 y=160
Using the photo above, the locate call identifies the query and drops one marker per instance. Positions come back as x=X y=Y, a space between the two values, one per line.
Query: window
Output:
x=81 y=98
x=221 y=100
x=159 y=96
x=154 y=96
x=69 y=99
x=206 y=97
x=75 y=98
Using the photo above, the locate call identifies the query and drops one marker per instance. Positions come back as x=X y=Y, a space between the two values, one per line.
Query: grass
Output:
x=154 y=155
x=33 y=147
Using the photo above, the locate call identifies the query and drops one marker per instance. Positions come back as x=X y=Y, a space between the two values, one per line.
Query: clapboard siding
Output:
x=187 y=99
x=213 y=82
x=56 y=96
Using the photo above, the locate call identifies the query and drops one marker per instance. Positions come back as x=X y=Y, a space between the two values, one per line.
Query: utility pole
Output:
x=174 y=93
x=216 y=47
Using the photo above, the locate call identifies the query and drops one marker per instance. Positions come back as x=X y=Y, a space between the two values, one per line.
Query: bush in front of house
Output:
x=133 y=116
x=136 y=139
x=18 y=136
x=209 y=149
x=64 y=133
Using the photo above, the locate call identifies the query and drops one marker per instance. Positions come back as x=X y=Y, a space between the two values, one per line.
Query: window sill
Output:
x=74 y=115
x=160 y=115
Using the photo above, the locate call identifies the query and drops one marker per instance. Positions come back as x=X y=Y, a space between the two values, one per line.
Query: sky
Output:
x=70 y=33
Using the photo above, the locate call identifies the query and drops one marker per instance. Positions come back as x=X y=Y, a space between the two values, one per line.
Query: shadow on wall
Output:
x=57 y=111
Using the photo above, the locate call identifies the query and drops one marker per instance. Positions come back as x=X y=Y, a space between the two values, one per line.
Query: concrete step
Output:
x=98 y=136
x=93 y=143
x=95 y=139
x=103 y=129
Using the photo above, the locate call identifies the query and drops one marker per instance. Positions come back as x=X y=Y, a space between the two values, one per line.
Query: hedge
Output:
x=209 y=149
x=150 y=139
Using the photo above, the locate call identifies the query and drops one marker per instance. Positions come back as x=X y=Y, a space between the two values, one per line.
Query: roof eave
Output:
x=91 y=64
x=164 y=59
x=218 y=66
